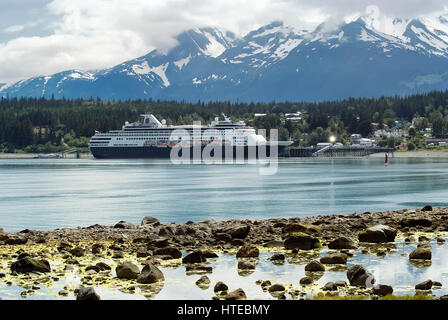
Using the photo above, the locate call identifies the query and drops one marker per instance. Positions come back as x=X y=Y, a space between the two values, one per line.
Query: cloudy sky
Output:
x=39 y=37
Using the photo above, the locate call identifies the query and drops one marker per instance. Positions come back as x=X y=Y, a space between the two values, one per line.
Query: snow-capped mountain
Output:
x=363 y=57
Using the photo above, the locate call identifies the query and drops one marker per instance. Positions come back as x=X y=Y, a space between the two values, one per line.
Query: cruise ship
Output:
x=150 y=138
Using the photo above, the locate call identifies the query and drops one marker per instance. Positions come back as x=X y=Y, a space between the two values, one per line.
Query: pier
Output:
x=332 y=152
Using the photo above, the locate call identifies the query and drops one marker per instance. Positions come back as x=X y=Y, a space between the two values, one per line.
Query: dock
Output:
x=331 y=152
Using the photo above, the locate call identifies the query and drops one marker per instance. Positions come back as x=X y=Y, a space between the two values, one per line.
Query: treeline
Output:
x=39 y=125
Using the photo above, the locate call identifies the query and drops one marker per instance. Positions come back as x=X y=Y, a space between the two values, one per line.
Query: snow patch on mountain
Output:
x=182 y=62
x=214 y=48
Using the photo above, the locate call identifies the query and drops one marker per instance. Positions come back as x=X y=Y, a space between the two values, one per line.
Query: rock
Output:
x=148 y=220
x=378 y=234
x=330 y=286
x=150 y=274
x=342 y=243
x=63 y=293
x=444 y=298
x=158 y=243
x=209 y=254
x=340 y=284
x=440 y=240
x=300 y=227
x=127 y=270
x=277 y=257
x=248 y=251
x=194 y=257
x=358 y=276
x=382 y=290
x=142 y=253
x=306 y=281
x=124 y=225
x=265 y=283
x=169 y=251
x=425 y=285
x=15 y=239
x=64 y=246
x=221 y=236
x=220 y=286
x=427 y=208
x=416 y=222
x=237 y=242
x=301 y=241
x=87 y=293
x=240 y=232
x=203 y=282
x=238 y=294
x=94 y=268
x=314 y=266
x=421 y=254
x=277 y=287
x=29 y=264
x=247 y=265
x=103 y=266
x=77 y=252
x=335 y=258
x=273 y=244
x=437 y=284
x=197 y=269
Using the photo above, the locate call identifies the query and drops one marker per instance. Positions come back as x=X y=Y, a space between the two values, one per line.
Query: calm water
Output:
x=52 y=193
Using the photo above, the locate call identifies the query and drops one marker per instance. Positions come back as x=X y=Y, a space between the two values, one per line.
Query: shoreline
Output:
x=396 y=154
x=152 y=245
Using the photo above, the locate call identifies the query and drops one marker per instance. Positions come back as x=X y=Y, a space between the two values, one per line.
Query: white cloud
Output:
x=15 y=28
x=89 y=34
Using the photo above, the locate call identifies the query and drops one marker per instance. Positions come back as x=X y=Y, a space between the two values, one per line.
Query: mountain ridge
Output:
x=272 y=63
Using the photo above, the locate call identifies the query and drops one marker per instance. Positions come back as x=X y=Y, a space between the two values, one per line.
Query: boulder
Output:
x=87 y=293
x=335 y=258
x=330 y=286
x=148 y=220
x=382 y=290
x=78 y=252
x=127 y=270
x=169 y=251
x=248 y=251
x=124 y=225
x=421 y=254
x=203 y=282
x=342 y=243
x=240 y=232
x=15 y=239
x=425 y=285
x=427 y=208
x=220 y=286
x=28 y=264
x=103 y=266
x=150 y=274
x=315 y=266
x=300 y=227
x=247 y=264
x=306 y=281
x=194 y=257
x=358 y=276
x=416 y=222
x=238 y=294
x=301 y=241
x=277 y=257
x=277 y=287
x=209 y=254
x=378 y=234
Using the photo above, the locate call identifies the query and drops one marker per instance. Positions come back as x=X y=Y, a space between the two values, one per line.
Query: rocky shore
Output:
x=128 y=256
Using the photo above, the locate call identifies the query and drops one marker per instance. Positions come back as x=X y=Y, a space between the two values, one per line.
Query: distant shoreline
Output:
x=397 y=154
x=414 y=154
